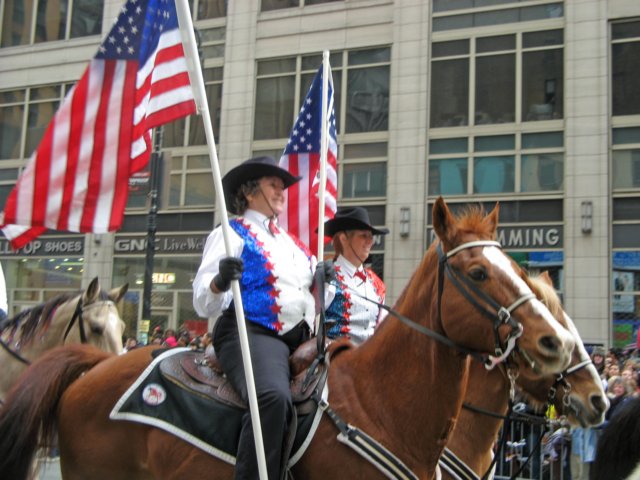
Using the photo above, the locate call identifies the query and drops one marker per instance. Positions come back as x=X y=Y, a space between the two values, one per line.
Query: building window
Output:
x=487 y=14
x=359 y=76
x=190 y=130
x=267 y=5
x=490 y=76
x=361 y=103
x=25 y=22
x=209 y=8
x=625 y=68
x=497 y=164
x=626 y=158
x=190 y=182
x=625 y=297
x=24 y=116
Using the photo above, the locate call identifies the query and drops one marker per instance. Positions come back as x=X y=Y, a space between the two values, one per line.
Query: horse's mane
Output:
x=547 y=294
x=38 y=318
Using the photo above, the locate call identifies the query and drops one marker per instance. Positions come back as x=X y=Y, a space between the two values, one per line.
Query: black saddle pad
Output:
x=212 y=426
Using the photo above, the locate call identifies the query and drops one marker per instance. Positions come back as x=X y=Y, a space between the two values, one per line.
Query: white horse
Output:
x=88 y=316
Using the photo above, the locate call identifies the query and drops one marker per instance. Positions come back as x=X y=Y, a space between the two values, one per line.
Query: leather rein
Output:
x=375 y=453
x=500 y=316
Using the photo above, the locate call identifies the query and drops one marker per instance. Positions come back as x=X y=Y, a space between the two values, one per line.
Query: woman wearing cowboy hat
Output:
x=275 y=272
x=347 y=313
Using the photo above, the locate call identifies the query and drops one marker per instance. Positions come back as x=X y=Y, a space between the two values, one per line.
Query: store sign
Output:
x=523 y=237
x=163 y=278
x=49 y=247
x=135 y=245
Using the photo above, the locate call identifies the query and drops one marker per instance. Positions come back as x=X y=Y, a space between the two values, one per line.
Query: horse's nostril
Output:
x=550 y=343
x=598 y=403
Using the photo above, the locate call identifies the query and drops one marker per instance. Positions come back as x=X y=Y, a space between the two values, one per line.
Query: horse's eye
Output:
x=478 y=274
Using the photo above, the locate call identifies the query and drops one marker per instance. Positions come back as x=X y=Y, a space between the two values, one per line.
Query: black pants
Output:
x=270 y=361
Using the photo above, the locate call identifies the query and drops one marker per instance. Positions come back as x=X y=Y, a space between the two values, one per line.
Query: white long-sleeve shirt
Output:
x=289 y=269
x=349 y=315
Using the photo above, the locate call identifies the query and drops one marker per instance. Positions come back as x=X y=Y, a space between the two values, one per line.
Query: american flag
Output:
x=77 y=179
x=301 y=157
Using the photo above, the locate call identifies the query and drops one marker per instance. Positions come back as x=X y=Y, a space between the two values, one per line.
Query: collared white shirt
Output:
x=359 y=317
x=291 y=267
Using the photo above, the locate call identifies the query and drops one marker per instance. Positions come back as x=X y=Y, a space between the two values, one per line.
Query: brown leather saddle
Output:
x=202 y=374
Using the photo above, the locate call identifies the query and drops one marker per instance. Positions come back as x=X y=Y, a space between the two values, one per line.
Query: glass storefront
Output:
x=171 y=295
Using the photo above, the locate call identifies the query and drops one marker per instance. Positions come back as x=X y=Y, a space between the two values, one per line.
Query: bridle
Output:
x=514 y=415
x=561 y=380
x=76 y=318
x=500 y=316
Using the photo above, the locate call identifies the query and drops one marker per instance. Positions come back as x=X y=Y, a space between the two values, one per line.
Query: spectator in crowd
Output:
x=130 y=344
x=584 y=442
x=619 y=391
x=183 y=338
x=597 y=357
x=169 y=339
x=613 y=371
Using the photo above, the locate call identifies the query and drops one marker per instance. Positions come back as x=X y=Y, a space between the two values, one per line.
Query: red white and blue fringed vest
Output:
x=259 y=285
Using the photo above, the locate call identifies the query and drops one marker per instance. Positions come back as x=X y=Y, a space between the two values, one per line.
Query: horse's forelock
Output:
x=471 y=219
x=103 y=296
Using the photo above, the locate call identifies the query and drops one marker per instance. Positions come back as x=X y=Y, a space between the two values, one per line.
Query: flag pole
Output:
x=154 y=181
x=324 y=146
x=191 y=53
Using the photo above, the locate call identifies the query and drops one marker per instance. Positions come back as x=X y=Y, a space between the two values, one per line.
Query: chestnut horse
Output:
x=401 y=387
x=88 y=316
x=577 y=393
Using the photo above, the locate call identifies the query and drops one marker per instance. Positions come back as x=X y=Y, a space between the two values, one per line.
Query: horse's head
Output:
x=480 y=281
x=95 y=318
x=577 y=392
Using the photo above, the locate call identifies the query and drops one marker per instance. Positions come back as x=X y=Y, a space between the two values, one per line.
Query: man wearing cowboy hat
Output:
x=346 y=314
x=275 y=272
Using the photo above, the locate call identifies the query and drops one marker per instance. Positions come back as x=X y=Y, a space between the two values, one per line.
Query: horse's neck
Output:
x=43 y=339
x=402 y=388
x=475 y=433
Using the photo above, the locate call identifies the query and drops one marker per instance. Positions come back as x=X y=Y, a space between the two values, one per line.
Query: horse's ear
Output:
x=544 y=277
x=117 y=294
x=444 y=222
x=92 y=292
x=491 y=220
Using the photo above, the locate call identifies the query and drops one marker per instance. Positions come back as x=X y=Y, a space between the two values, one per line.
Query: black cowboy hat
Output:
x=355 y=218
x=253 y=169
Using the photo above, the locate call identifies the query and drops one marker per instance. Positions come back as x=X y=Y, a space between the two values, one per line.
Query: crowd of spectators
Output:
x=620 y=374
x=170 y=338
x=568 y=452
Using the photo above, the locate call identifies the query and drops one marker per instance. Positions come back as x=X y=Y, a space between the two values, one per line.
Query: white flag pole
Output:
x=324 y=146
x=197 y=82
